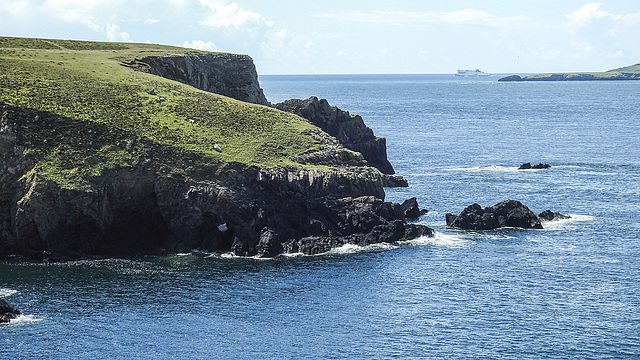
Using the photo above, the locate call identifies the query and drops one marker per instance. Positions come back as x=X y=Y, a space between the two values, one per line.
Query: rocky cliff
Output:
x=246 y=210
x=108 y=169
x=225 y=74
x=349 y=129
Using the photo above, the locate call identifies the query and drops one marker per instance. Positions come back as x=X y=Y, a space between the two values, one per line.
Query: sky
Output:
x=359 y=36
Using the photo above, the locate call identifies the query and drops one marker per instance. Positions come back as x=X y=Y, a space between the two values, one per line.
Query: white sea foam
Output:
x=7 y=292
x=352 y=249
x=496 y=168
x=24 y=319
x=230 y=255
x=439 y=239
x=562 y=223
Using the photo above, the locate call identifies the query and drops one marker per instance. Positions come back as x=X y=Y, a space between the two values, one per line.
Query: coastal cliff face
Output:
x=140 y=209
x=248 y=211
x=230 y=75
x=349 y=129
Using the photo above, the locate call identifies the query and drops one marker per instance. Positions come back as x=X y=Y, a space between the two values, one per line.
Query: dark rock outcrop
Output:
x=511 y=78
x=391 y=181
x=225 y=74
x=7 y=312
x=528 y=166
x=411 y=209
x=549 y=215
x=349 y=129
x=509 y=213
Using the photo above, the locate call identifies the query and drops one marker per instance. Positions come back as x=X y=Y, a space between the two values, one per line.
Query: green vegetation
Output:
x=628 y=69
x=83 y=114
x=624 y=73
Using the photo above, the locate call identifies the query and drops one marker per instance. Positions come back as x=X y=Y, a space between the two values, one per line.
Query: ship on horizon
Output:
x=471 y=73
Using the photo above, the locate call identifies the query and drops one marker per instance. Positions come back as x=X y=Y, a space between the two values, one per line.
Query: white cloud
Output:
x=111 y=31
x=586 y=14
x=93 y=26
x=77 y=10
x=467 y=16
x=458 y=17
x=14 y=8
x=598 y=33
x=225 y=15
x=200 y=45
x=114 y=34
x=590 y=13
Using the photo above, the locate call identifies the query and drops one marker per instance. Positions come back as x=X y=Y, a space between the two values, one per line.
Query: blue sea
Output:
x=569 y=291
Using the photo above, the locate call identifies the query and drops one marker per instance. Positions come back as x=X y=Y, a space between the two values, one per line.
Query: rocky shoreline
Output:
x=249 y=211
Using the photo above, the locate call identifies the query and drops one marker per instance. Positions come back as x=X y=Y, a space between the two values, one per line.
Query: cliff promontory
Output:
x=225 y=74
x=349 y=129
x=98 y=157
x=624 y=73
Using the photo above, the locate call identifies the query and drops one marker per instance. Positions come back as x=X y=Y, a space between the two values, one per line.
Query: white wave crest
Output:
x=562 y=223
x=7 y=292
x=497 y=168
x=439 y=239
x=24 y=319
x=352 y=248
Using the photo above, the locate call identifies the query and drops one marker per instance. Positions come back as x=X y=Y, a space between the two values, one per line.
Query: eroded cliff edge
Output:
x=349 y=129
x=236 y=76
x=230 y=75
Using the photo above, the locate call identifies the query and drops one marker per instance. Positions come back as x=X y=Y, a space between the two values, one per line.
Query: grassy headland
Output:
x=631 y=72
x=83 y=114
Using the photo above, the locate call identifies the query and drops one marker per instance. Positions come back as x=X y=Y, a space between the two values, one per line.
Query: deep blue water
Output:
x=570 y=291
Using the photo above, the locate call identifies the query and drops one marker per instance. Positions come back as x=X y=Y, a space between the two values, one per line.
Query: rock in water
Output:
x=527 y=166
x=549 y=215
x=509 y=213
x=411 y=209
x=394 y=181
x=7 y=312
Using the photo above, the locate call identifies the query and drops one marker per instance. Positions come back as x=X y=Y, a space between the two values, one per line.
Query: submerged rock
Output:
x=527 y=166
x=394 y=181
x=509 y=213
x=549 y=215
x=7 y=312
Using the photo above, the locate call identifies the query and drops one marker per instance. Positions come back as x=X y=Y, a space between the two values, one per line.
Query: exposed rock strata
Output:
x=7 y=312
x=249 y=211
x=225 y=74
x=349 y=129
x=509 y=213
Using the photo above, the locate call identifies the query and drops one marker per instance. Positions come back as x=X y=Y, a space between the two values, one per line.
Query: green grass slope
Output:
x=624 y=73
x=84 y=113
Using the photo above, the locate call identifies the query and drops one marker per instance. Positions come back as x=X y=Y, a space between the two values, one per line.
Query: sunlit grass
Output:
x=84 y=114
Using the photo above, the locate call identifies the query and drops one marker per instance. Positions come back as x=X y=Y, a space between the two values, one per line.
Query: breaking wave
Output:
x=7 y=292
x=24 y=320
x=497 y=168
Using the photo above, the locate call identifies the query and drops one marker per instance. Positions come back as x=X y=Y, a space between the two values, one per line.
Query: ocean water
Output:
x=569 y=291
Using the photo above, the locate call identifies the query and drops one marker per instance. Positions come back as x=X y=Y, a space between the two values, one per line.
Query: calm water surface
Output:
x=569 y=291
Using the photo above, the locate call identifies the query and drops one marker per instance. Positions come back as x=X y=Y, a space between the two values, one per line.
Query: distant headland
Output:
x=631 y=72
